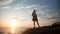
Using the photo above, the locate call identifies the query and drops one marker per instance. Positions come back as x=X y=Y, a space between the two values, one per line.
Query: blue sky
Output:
x=22 y=9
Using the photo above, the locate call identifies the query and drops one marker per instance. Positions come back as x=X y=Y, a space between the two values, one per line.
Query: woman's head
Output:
x=34 y=11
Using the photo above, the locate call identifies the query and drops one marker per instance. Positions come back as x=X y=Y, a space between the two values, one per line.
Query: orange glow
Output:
x=12 y=23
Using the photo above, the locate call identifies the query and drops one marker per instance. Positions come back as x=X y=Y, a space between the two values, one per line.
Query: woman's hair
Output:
x=34 y=11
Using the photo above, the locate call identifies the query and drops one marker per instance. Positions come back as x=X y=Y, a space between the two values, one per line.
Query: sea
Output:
x=9 y=30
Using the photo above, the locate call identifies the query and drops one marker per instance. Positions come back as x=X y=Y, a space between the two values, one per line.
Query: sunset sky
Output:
x=20 y=11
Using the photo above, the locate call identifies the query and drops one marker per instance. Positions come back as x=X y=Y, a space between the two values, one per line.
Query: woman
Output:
x=34 y=15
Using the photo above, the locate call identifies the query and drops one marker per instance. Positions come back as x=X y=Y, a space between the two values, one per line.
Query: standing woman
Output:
x=35 y=19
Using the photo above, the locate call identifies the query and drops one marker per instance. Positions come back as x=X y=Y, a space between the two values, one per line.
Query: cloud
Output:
x=6 y=7
x=20 y=19
x=31 y=6
x=5 y=2
x=25 y=6
x=55 y=15
x=21 y=6
x=48 y=15
x=44 y=13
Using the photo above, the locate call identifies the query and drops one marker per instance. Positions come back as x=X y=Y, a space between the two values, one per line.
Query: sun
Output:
x=12 y=23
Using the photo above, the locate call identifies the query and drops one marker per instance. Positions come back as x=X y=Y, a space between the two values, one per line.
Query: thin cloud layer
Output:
x=6 y=7
x=25 y=6
x=46 y=9
x=5 y=2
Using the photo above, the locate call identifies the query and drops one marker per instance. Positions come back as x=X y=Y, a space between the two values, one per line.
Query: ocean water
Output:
x=17 y=30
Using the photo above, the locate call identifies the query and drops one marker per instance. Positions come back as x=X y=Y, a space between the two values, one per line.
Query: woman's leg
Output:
x=38 y=23
x=34 y=24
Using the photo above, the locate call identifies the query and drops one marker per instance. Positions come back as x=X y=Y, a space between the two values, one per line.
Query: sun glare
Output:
x=12 y=23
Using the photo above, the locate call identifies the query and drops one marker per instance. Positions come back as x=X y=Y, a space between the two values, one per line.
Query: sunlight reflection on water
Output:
x=7 y=30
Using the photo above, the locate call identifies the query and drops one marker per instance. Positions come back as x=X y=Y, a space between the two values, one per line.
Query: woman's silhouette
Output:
x=34 y=15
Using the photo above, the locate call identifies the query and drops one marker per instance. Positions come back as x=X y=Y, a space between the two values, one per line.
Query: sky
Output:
x=48 y=11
